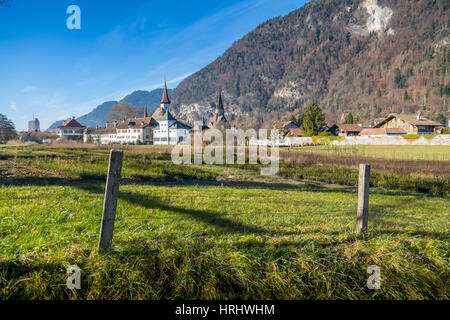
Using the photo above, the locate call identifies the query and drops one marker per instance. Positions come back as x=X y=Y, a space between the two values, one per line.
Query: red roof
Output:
x=165 y=96
x=295 y=132
x=71 y=123
x=350 y=127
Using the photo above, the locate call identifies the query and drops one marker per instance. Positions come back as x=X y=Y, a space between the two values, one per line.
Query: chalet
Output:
x=218 y=120
x=345 y=129
x=410 y=123
x=376 y=132
x=285 y=126
x=294 y=133
x=71 y=129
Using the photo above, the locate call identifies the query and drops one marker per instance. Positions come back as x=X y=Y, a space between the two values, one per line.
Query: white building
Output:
x=169 y=130
x=71 y=129
x=164 y=130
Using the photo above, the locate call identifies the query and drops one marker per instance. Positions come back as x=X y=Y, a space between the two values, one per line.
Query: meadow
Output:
x=210 y=232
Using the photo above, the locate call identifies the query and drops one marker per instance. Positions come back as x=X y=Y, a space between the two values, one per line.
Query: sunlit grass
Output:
x=197 y=241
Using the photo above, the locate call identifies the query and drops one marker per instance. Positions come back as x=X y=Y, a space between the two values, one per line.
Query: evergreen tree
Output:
x=441 y=119
x=349 y=119
x=7 y=129
x=313 y=120
x=300 y=119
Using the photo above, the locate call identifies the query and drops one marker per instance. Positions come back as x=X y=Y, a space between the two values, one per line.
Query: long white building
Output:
x=163 y=130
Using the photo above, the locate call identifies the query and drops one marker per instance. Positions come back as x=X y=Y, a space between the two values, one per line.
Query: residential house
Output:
x=410 y=123
x=294 y=133
x=285 y=126
x=345 y=130
x=71 y=129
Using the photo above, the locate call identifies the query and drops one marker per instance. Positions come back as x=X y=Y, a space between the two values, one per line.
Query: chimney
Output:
x=418 y=116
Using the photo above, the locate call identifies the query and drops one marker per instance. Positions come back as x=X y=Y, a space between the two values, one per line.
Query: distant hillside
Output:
x=54 y=125
x=97 y=117
x=367 y=57
x=140 y=98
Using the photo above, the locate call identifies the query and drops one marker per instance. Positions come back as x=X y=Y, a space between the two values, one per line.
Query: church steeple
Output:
x=165 y=96
x=145 y=112
x=219 y=108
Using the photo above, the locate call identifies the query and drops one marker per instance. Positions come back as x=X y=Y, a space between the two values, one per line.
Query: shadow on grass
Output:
x=13 y=269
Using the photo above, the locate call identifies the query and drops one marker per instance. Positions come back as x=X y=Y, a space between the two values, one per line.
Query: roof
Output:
x=167 y=116
x=101 y=130
x=296 y=132
x=71 y=123
x=165 y=96
x=137 y=123
x=349 y=127
x=382 y=131
x=410 y=118
x=216 y=120
x=284 y=124
x=159 y=112
x=176 y=125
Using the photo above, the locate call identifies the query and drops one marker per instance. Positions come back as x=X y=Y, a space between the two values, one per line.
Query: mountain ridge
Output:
x=367 y=57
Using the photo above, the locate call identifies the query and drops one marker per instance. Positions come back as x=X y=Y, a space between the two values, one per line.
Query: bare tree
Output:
x=7 y=129
x=123 y=111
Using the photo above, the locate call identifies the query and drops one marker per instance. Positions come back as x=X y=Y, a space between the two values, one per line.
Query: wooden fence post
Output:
x=110 y=201
x=363 y=198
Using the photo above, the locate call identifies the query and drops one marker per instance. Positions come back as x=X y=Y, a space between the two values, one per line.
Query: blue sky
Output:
x=53 y=72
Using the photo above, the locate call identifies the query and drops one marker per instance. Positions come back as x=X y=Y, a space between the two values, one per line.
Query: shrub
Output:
x=411 y=136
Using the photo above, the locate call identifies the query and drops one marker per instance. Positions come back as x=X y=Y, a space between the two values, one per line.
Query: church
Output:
x=161 y=128
x=169 y=129
x=218 y=120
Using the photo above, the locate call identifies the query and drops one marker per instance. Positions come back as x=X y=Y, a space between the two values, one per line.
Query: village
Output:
x=223 y=158
x=162 y=128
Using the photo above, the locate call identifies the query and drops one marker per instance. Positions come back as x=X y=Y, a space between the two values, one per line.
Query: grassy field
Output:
x=209 y=232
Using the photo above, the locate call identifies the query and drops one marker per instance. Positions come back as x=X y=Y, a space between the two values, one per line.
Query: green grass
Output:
x=176 y=242
x=252 y=239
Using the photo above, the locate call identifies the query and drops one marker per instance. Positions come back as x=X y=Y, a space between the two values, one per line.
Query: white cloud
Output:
x=13 y=105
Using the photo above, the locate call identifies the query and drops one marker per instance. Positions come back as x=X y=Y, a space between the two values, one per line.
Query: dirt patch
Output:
x=11 y=171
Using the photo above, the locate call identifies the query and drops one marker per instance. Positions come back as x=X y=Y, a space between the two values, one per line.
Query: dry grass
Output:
x=430 y=168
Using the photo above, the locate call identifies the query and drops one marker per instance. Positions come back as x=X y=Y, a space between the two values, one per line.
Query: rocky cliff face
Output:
x=368 y=57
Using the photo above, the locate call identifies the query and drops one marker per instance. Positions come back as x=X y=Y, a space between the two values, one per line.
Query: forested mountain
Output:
x=367 y=57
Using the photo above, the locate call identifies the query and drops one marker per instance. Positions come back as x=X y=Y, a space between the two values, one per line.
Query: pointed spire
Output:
x=165 y=96
x=145 y=112
x=219 y=108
